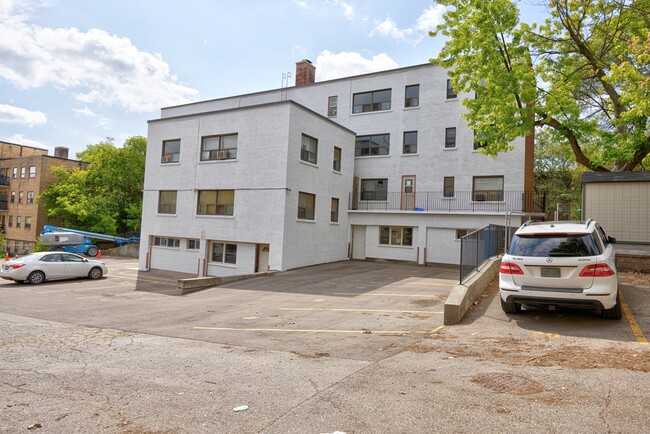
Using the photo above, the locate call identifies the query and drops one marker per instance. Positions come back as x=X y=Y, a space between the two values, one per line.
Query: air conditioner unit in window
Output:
x=222 y=154
x=480 y=197
x=166 y=158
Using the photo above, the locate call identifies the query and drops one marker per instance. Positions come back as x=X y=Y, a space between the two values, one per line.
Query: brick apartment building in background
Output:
x=25 y=172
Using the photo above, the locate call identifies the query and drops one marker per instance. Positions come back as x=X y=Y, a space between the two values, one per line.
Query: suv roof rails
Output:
x=588 y=222
x=529 y=222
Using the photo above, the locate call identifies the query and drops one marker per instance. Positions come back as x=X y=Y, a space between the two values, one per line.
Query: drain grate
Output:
x=507 y=383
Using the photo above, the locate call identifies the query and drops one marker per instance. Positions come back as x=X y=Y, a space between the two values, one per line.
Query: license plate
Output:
x=5 y=267
x=550 y=272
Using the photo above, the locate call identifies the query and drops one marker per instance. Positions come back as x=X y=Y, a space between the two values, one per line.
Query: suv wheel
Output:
x=510 y=307
x=614 y=312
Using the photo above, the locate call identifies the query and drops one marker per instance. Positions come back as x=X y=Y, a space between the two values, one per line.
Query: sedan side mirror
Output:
x=611 y=240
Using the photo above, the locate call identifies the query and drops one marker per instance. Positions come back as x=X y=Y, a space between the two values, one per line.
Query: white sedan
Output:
x=38 y=267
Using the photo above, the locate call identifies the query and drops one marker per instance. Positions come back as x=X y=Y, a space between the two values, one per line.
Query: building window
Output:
x=306 y=205
x=19 y=220
x=460 y=233
x=337 y=159
x=335 y=210
x=371 y=101
x=10 y=223
x=448 y=186
x=171 y=151
x=450 y=91
x=395 y=236
x=410 y=142
x=32 y=171
x=374 y=189
x=22 y=172
x=30 y=197
x=193 y=244
x=450 y=138
x=378 y=144
x=332 y=103
x=12 y=197
x=224 y=253
x=486 y=188
x=412 y=96
x=20 y=197
x=15 y=172
x=309 y=149
x=28 y=222
x=219 y=147
x=167 y=202
x=479 y=141
x=166 y=242
x=216 y=202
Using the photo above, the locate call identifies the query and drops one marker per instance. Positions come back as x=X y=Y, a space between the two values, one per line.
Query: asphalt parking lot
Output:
x=351 y=347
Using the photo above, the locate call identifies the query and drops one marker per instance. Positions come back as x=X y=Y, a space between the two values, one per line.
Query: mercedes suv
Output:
x=564 y=264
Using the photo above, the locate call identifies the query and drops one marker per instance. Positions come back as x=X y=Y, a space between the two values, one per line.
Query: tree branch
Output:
x=573 y=141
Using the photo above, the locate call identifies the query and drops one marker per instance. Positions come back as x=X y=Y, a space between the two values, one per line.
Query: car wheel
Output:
x=614 y=312
x=510 y=307
x=95 y=273
x=36 y=277
x=92 y=251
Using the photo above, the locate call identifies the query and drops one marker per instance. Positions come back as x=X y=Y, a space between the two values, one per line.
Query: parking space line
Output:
x=140 y=279
x=390 y=295
x=636 y=330
x=325 y=309
x=379 y=332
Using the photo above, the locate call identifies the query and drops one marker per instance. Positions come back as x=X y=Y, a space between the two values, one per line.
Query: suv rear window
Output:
x=549 y=245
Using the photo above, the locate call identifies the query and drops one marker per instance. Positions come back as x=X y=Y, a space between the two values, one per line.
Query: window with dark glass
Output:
x=410 y=142
x=193 y=244
x=377 y=100
x=374 y=189
x=224 y=253
x=395 y=236
x=216 y=202
x=19 y=220
x=167 y=202
x=448 y=186
x=171 y=151
x=335 y=210
x=309 y=149
x=450 y=138
x=450 y=90
x=28 y=222
x=332 y=103
x=336 y=165
x=479 y=141
x=12 y=197
x=11 y=221
x=166 y=242
x=487 y=188
x=377 y=144
x=412 y=96
x=306 y=205
x=222 y=147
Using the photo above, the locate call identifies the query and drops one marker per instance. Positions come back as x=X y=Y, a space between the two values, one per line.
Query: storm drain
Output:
x=507 y=383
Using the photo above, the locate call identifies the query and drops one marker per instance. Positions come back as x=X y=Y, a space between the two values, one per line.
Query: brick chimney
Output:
x=305 y=72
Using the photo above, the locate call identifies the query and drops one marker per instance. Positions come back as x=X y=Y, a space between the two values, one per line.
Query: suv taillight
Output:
x=510 y=268
x=597 y=270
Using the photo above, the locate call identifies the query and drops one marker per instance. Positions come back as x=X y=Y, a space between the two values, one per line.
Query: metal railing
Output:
x=477 y=247
x=471 y=201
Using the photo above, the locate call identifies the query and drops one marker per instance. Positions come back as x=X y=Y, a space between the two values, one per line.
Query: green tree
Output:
x=583 y=73
x=105 y=198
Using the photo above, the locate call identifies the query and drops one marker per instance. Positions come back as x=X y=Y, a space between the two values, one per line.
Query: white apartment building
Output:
x=410 y=180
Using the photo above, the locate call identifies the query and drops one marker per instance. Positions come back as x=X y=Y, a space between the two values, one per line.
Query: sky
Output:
x=75 y=72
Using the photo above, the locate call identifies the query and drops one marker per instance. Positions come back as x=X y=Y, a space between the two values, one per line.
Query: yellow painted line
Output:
x=428 y=312
x=391 y=332
x=389 y=295
x=636 y=330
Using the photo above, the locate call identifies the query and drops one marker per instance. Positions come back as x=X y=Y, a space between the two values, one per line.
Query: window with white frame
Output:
x=30 y=197
x=20 y=197
x=216 y=202
x=193 y=244
x=22 y=172
x=450 y=137
x=487 y=188
x=334 y=218
x=374 y=189
x=309 y=149
x=395 y=236
x=171 y=151
x=337 y=159
x=166 y=242
x=12 y=197
x=15 y=173
x=412 y=96
x=376 y=144
x=410 y=145
x=224 y=253
x=19 y=221
x=167 y=202
x=28 y=222
x=332 y=103
x=32 y=171
x=306 y=206
x=222 y=147
x=377 y=100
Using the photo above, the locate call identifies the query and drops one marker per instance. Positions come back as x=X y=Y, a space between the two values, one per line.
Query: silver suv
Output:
x=567 y=264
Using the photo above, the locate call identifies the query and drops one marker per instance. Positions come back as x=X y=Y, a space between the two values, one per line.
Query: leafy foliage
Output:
x=584 y=73
x=105 y=198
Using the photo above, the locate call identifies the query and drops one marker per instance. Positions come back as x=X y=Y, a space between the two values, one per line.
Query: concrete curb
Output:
x=462 y=297
x=185 y=286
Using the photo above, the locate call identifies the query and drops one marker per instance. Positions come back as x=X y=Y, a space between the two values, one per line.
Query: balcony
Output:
x=4 y=181
x=4 y=205
x=461 y=201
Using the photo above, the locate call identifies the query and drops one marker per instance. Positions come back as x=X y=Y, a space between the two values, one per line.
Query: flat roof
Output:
x=593 y=177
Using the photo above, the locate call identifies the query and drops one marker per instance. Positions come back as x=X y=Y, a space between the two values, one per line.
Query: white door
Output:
x=263 y=258
x=358 y=242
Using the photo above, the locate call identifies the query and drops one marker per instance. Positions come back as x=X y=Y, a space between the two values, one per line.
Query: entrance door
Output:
x=408 y=193
x=358 y=242
x=263 y=258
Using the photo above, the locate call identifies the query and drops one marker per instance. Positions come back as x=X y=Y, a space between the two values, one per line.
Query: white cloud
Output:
x=97 y=66
x=301 y=4
x=427 y=21
x=348 y=10
x=85 y=111
x=330 y=65
x=20 y=139
x=299 y=51
x=18 y=115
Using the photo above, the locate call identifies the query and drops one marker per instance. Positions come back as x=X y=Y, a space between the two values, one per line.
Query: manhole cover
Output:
x=507 y=383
